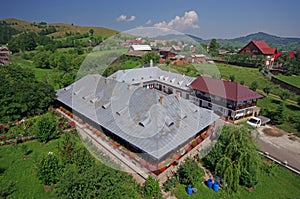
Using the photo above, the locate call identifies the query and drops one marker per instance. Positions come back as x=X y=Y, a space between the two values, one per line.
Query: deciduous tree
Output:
x=150 y=56
x=235 y=159
x=46 y=127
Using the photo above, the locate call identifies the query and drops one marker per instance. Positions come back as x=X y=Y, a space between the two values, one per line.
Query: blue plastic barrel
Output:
x=189 y=190
x=209 y=183
x=216 y=186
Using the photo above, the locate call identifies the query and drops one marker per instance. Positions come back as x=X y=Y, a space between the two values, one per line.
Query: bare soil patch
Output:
x=47 y=188
x=292 y=137
x=274 y=132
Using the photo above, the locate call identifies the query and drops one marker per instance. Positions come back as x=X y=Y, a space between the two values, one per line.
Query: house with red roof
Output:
x=229 y=99
x=255 y=47
x=4 y=53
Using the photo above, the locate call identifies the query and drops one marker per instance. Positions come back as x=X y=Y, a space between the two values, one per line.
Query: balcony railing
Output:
x=241 y=106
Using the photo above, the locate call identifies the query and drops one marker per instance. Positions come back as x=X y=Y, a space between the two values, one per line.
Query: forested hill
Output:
x=282 y=43
x=11 y=26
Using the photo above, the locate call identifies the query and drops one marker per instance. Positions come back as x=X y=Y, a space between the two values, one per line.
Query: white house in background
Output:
x=138 y=50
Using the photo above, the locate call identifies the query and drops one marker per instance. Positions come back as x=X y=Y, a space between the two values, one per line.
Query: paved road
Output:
x=282 y=148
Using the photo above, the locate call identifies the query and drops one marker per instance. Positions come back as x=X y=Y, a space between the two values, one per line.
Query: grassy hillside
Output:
x=61 y=28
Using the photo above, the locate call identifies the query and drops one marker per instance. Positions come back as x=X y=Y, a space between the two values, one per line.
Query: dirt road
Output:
x=280 y=145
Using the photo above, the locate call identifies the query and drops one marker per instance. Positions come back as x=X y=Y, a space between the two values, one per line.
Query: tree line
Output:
x=28 y=41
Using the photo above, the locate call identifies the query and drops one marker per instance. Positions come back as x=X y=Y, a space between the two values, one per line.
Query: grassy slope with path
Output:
x=41 y=74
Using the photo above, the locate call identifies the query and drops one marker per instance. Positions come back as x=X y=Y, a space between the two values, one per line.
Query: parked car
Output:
x=258 y=121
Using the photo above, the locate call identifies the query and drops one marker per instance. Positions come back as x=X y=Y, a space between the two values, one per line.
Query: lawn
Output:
x=283 y=184
x=15 y=168
x=293 y=80
x=41 y=74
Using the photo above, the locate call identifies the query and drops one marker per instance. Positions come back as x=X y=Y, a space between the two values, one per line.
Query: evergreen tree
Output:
x=214 y=47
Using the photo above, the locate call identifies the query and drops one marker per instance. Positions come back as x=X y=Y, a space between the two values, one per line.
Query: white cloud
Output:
x=132 y=18
x=188 y=21
x=121 y=18
x=124 y=18
x=149 y=22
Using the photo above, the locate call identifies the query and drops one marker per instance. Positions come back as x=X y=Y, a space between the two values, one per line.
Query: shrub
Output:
x=152 y=188
x=46 y=128
x=171 y=183
x=48 y=169
x=253 y=85
x=189 y=172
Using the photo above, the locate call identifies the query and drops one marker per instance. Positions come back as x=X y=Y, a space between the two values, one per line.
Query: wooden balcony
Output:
x=241 y=106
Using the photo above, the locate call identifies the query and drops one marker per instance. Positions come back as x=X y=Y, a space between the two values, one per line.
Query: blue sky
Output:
x=204 y=18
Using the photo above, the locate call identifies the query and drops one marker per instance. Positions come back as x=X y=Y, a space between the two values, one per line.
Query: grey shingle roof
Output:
x=123 y=109
x=141 y=47
x=147 y=74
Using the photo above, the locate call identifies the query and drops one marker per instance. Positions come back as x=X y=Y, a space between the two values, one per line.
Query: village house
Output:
x=166 y=53
x=138 y=50
x=179 y=60
x=137 y=41
x=198 y=59
x=259 y=48
x=4 y=52
x=229 y=99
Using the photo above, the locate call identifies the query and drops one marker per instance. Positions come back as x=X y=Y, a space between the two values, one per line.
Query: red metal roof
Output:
x=225 y=89
x=264 y=47
x=275 y=56
x=292 y=54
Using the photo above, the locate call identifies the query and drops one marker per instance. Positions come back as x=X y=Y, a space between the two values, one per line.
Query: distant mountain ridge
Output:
x=281 y=43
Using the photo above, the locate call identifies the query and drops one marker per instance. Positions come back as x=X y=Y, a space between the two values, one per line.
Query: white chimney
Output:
x=129 y=86
x=178 y=95
x=161 y=100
